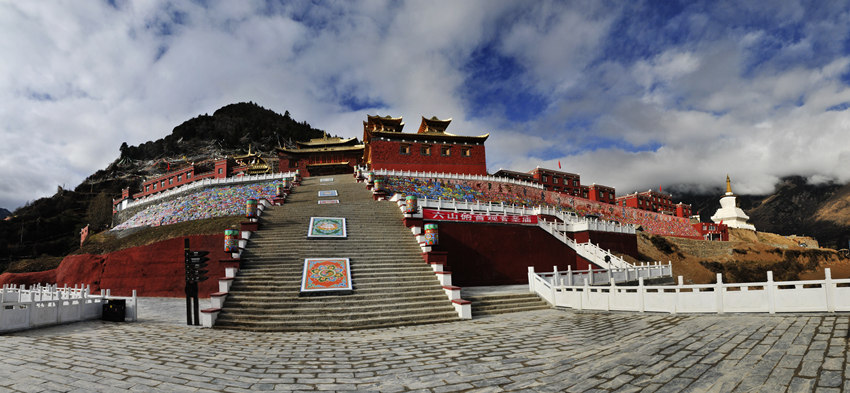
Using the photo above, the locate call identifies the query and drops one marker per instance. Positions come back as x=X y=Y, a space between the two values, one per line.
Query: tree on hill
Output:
x=51 y=226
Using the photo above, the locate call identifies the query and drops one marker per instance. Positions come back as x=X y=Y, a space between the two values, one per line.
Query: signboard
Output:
x=442 y=215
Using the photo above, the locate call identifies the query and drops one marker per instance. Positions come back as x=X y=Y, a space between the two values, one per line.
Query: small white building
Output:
x=729 y=213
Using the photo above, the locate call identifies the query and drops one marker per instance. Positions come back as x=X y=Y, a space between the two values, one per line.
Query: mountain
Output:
x=4 y=213
x=51 y=226
x=795 y=207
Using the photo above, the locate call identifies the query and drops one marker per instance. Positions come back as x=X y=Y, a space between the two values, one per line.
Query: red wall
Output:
x=493 y=254
x=154 y=270
x=387 y=155
x=616 y=242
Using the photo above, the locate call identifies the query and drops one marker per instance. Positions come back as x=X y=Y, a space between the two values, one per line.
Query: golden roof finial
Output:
x=728 y=185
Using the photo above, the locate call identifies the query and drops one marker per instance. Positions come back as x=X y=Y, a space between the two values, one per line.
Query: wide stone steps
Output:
x=300 y=324
x=359 y=293
x=505 y=303
x=353 y=306
x=392 y=285
x=318 y=315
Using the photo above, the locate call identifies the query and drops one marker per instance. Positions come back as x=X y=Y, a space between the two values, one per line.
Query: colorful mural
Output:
x=327 y=227
x=326 y=274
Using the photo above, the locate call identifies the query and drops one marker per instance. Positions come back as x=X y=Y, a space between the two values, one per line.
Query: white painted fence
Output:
x=22 y=308
x=456 y=176
x=574 y=223
x=205 y=183
x=572 y=277
x=827 y=295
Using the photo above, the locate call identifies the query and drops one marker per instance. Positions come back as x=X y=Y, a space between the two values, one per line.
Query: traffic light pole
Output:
x=195 y=261
x=187 y=289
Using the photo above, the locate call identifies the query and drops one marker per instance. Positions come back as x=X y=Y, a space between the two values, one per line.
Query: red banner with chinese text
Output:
x=442 y=215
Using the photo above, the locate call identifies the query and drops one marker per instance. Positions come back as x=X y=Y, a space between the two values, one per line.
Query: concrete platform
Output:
x=547 y=350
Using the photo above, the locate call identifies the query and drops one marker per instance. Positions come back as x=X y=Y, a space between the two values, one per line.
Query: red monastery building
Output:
x=430 y=149
x=564 y=182
x=321 y=156
x=654 y=201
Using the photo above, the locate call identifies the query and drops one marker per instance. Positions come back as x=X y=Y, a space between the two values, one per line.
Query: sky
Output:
x=629 y=94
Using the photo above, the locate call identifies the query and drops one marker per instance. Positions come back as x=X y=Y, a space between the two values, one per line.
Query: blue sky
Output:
x=629 y=94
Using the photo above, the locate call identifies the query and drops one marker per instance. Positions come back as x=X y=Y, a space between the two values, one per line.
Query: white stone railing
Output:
x=22 y=308
x=456 y=176
x=205 y=183
x=570 y=277
x=827 y=295
x=572 y=222
x=579 y=224
x=589 y=251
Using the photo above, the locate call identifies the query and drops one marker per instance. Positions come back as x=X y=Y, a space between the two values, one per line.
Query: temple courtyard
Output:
x=548 y=350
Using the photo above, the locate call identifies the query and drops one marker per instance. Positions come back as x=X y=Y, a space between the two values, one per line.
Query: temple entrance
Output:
x=330 y=169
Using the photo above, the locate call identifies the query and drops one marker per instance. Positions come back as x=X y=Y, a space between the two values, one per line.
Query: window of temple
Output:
x=147 y=188
x=154 y=186
x=179 y=178
x=426 y=150
x=466 y=152
x=170 y=180
x=545 y=179
x=446 y=151
x=575 y=183
x=188 y=175
x=404 y=149
x=554 y=180
x=162 y=184
x=219 y=171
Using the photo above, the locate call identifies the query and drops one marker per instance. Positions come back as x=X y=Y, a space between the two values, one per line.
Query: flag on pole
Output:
x=559 y=164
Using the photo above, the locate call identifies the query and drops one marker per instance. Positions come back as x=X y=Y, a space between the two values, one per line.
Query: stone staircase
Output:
x=503 y=303
x=392 y=285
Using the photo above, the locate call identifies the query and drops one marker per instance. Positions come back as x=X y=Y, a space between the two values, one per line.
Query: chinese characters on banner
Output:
x=440 y=215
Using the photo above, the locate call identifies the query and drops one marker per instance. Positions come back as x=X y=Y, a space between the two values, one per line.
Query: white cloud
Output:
x=693 y=99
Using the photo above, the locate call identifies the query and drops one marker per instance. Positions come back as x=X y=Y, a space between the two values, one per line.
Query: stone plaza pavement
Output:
x=548 y=350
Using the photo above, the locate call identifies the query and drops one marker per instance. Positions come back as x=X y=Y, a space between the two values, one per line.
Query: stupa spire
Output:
x=728 y=184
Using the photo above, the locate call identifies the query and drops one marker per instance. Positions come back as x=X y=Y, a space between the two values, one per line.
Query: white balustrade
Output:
x=827 y=295
x=22 y=308
x=456 y=176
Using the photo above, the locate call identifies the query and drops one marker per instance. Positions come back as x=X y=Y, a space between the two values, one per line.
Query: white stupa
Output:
x=730 y=214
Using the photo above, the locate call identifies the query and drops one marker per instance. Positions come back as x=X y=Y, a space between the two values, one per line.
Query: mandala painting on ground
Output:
x=326 y=274
x=328 y=201
x=326 y=227
x=327 y=193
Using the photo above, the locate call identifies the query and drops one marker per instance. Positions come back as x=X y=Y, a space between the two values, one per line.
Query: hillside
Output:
x=795 y=207
x=4 y=213
x=51 y=226
x=746 y=258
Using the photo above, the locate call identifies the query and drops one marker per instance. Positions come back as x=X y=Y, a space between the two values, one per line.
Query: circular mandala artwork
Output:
x=326 y=227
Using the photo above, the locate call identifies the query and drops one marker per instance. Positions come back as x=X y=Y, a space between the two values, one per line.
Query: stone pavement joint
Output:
x=544 y=350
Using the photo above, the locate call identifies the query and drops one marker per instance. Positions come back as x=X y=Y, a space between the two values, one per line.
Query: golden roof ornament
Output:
x=728 y=184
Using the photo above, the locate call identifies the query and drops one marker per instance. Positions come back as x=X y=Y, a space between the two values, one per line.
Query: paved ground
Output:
x=548 y=350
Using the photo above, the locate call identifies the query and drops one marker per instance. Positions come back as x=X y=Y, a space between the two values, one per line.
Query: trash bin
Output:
x=113 y=310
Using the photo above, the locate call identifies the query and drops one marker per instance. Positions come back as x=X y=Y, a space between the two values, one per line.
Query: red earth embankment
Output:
x=155 y=270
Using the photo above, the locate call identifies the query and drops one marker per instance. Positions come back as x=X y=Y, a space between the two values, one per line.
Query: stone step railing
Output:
x=593 y=253
x=572 y=277
x=23 y=308
x=456 y=176
x=827 y=295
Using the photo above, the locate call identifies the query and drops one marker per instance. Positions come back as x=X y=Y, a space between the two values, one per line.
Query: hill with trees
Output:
x=50 y=226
